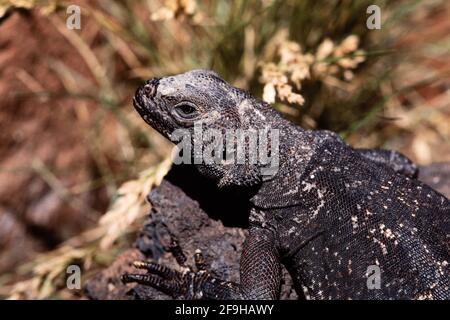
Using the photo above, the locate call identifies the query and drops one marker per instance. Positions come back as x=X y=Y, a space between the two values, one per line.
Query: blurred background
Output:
x=76 y=160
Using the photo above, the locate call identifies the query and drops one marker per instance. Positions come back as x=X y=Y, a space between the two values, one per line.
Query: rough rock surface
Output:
x=220 y=237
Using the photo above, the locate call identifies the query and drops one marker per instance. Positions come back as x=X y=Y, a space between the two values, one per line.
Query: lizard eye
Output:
x=186 y=110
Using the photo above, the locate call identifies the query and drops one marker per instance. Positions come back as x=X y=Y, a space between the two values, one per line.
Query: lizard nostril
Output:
x=150 y=90
x=150 y=87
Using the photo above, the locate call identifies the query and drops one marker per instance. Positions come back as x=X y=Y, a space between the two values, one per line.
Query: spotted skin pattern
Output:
x=329 y=213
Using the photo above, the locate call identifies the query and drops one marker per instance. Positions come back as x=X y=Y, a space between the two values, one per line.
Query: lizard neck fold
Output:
x=295 y=151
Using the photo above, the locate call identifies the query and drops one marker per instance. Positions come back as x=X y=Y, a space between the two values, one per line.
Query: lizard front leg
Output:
x=260 y=274
x=393 y=159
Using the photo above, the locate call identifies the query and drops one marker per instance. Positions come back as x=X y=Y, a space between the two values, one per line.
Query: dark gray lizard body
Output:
x=331 y=213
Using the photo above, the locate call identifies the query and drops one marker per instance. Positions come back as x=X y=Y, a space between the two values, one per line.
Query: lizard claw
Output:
x=167 y=286
x=156 y=268
x=185 y=284
x=176 y=250
x=199 y=260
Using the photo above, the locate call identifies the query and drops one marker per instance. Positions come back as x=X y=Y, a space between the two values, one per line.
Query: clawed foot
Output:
x=184 y=284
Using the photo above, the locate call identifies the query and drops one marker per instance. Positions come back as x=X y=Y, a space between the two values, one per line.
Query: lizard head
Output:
x=182 y=100
x=201 y=99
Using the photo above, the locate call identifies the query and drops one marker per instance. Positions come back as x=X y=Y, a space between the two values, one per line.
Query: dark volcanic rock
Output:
x=219 y=235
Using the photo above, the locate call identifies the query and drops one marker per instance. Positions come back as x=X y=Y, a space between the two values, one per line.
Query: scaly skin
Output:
x=328 y=214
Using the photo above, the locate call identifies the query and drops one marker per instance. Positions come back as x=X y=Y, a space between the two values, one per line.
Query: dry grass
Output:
x=329 y=63
x=47 y=272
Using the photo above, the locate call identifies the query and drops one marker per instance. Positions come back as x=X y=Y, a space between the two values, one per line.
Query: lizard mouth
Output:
x=141 y=107
x=143 y=99
x=137 y=103
x=148 y=109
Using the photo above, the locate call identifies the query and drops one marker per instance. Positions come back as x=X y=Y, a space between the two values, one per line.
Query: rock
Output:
x=220 y=236
x=106 y=285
